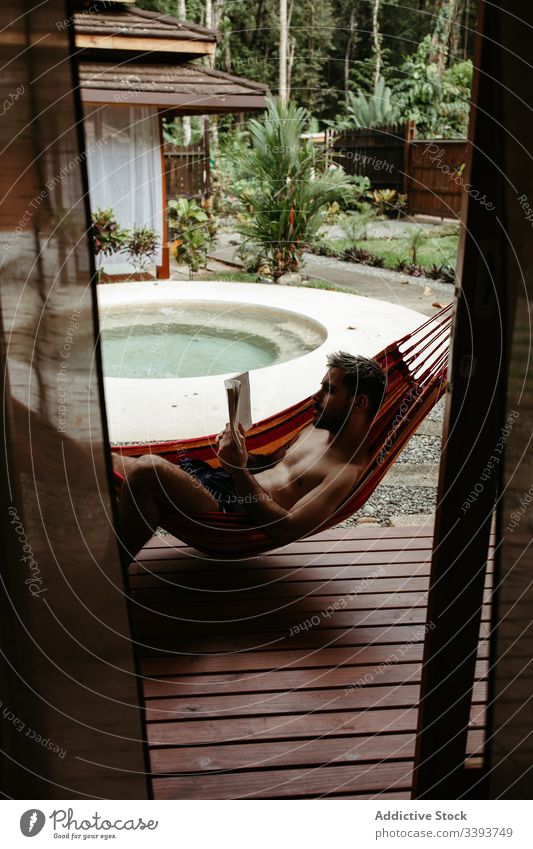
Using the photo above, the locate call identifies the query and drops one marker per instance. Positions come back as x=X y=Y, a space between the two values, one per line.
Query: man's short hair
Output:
x=362 y=376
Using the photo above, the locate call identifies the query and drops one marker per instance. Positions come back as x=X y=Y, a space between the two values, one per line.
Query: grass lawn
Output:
x=435 y=250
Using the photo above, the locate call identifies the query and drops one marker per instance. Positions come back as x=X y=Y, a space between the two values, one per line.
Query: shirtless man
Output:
x=287 y=495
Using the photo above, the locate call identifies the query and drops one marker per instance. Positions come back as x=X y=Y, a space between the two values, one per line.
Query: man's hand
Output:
x=232 y=456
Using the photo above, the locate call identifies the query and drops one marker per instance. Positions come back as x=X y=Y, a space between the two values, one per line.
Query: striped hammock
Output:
x=415 y=366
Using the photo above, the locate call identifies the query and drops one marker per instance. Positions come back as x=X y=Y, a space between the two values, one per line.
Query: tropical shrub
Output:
x=388 y=201
x=140 y=245
x=355 y=225
x=192 y=229
x=440 y=107
x=291 y=188
x=107 y=237
x=225 y=181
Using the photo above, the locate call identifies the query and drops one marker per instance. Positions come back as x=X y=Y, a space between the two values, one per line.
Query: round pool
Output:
x=193 y=339
x=294 y=326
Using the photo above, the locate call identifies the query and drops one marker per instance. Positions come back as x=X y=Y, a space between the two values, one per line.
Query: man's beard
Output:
x=323 y=423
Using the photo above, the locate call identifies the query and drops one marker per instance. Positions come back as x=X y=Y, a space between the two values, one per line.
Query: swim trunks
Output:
x=218 y=482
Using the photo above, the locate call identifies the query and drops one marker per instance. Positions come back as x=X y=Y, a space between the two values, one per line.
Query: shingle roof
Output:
x=168 y=85
x=130 y=21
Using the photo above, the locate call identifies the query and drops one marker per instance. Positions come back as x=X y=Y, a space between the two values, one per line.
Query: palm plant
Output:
x=289 y=188
x=416 y=241
x=355 y=225
x=368 y=110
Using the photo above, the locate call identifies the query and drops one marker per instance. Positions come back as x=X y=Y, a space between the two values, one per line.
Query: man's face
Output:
x=333 y=402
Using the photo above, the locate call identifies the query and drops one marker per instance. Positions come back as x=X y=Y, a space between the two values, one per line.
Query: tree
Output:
x=376 y=39
x=440 y=39
x=283 y=41
x=330 y=47
x=186 y=121
x=348 y=51
x=312 y=29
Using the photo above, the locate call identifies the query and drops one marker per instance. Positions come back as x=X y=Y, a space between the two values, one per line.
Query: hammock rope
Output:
x=416 y=367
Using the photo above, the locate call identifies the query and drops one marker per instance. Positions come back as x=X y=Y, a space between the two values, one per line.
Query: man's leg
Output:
x=154 y=485
x=123 y=464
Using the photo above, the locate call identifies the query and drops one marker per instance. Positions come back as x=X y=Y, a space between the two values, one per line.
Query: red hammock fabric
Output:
x=416 y=367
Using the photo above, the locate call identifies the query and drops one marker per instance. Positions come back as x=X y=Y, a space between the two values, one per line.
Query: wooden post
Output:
x=207 y=163
x=163 y=270
x=474 y=419
x=410 y=133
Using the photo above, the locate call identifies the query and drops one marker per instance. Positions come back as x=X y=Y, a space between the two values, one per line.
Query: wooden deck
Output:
x=294 y=675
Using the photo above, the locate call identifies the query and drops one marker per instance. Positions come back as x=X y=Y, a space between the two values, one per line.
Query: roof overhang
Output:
x=122 y=28
x=189 y=89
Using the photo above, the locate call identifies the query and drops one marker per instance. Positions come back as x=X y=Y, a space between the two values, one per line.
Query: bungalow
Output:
x=135 y=67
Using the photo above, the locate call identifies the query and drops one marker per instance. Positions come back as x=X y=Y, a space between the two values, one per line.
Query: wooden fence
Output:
x=187 y=170
x=427 y=170
x=433 y=170
x=379 y=154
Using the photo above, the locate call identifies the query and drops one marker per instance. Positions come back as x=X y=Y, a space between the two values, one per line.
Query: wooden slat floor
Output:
x=292 y=675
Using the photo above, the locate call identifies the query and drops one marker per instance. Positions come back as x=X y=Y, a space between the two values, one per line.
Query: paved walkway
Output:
x=415 y=293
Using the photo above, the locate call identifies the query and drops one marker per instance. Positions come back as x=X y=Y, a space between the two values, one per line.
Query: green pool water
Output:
x=193 y=340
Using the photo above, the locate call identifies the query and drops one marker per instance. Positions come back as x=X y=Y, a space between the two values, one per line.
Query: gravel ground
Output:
x=421 y=449
x=388 y=501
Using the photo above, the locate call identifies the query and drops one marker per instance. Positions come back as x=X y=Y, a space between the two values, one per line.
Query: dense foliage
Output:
x=423 y=47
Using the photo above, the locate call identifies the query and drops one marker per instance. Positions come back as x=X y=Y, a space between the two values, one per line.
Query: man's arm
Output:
x=280 y=524
x=284 y=526
x=261 y=462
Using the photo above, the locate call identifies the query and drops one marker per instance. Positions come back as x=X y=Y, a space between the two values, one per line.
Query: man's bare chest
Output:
x=306 y=465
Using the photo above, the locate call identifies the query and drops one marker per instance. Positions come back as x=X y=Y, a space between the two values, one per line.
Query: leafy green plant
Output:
x=416 y=240
x=192 y=229
x=325 y=248
x=355 y=225
x=433 y=272
x=360 y=187
x=387 y=201
x=368 y=110
x=140 y=245
x=291 y=187
x=440 y=108
x=332 y=212
x=107 y=237
x=226 y=184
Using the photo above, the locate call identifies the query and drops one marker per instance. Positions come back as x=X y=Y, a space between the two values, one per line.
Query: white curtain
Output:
x=124 y=165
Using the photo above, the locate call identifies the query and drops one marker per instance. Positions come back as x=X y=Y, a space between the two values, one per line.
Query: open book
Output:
x=239 y=406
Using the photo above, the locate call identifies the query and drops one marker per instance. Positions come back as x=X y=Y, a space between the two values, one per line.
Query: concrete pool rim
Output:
x=158 y=409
